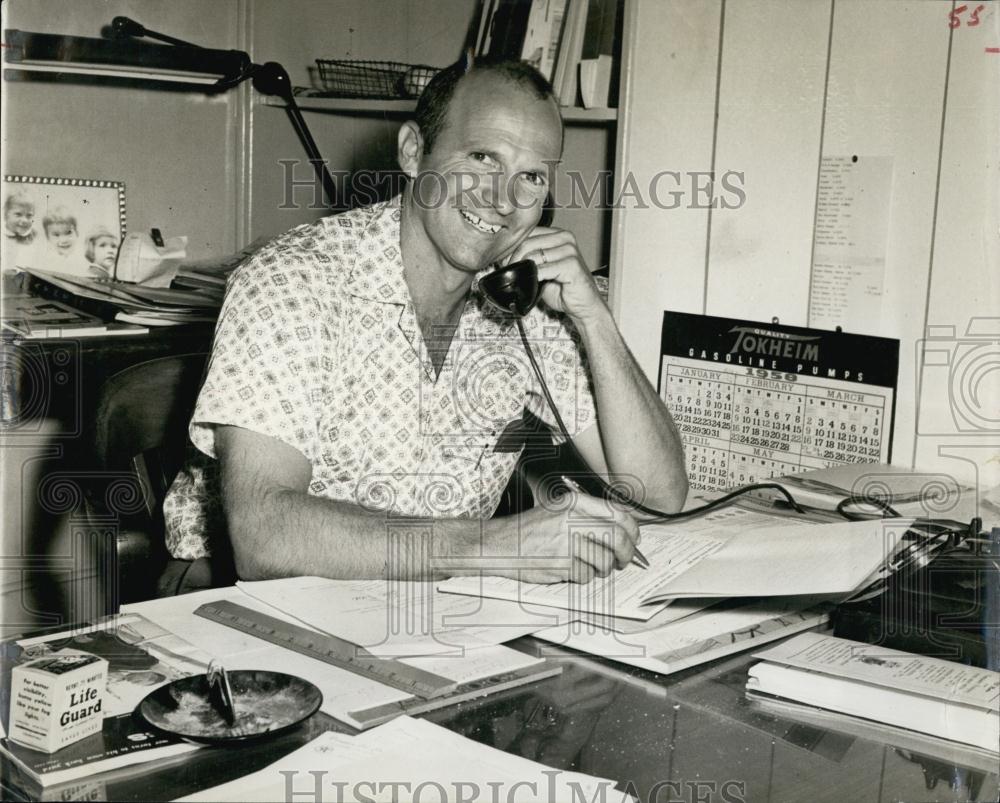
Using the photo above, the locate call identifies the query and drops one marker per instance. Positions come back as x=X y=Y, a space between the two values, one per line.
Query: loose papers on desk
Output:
x=409 y=759
x=393 y=619
x=731 y=552
x=668 y=647
x=347 y=696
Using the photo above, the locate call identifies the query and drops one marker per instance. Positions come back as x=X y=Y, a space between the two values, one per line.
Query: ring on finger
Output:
x=542 y=257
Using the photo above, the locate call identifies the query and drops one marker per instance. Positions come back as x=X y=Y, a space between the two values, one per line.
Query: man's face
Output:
x=19 y=219
x=481 y=189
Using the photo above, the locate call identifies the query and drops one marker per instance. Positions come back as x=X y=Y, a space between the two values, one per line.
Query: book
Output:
x=595 y=81
x=729 y=627
x=601 y=54
x=944 y=699
x=541 y=40
x=507 y=26
x=482 y=43
x=565 y=77
x=141 y=656
x=32 y=318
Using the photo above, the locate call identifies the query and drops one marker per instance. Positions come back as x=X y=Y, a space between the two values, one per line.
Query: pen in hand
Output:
x=638 y=559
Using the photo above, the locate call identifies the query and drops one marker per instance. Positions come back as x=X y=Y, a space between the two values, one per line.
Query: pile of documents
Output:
x=720 y=583
x=130 y=303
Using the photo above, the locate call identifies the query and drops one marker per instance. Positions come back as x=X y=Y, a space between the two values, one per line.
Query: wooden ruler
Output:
x=329 y=649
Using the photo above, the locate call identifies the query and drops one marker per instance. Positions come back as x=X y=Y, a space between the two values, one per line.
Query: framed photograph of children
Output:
x=64 y=225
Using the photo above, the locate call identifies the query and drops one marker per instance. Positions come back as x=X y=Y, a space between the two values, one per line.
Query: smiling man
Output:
x=352 y=422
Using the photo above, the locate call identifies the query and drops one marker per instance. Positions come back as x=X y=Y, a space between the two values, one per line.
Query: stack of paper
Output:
x=154 y=306
x=409 y=759
x=732 y=552
x=671 y=646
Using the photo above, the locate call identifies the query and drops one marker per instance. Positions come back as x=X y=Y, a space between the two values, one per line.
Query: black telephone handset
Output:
x=513 y=288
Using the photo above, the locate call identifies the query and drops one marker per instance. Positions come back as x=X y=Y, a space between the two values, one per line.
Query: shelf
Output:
x=571 y=115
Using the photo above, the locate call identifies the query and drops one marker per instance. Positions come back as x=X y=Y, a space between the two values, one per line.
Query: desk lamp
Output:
x=122 y=60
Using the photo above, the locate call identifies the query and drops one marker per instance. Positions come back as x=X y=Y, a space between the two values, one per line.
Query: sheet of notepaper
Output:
x=399 y=618
x=409 y=759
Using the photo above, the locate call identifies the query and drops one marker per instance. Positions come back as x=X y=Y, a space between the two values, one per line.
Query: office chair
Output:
x=138 y=440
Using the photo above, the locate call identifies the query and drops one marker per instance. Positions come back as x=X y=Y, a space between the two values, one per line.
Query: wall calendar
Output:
x=757 y=400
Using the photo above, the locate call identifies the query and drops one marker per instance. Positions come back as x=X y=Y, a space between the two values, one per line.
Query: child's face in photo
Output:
x=62 y=236
x=19 y=219
x=105 y=249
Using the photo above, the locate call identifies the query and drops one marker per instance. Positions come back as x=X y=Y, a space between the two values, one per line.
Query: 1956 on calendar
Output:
x=758 y=400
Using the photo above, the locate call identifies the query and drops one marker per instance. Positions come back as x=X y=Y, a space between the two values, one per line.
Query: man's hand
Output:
x=587 y=538
x=568 y=287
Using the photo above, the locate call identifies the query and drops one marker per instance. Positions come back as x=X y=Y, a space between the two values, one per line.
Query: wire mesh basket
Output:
x=352 y=78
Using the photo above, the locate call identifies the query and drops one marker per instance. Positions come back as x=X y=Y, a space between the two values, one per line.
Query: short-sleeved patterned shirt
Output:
x=318 y=345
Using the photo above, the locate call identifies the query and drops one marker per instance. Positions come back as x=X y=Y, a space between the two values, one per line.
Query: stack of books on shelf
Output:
x=575 y=44
x=124 y=302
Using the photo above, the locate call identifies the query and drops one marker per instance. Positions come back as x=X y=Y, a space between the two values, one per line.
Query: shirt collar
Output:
x=377 y=273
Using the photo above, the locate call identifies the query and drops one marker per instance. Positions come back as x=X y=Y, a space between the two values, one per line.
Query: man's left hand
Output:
x=568 y=287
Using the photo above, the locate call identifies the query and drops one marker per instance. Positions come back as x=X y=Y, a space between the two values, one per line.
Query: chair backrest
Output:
x=143 y=412
x=140 y=433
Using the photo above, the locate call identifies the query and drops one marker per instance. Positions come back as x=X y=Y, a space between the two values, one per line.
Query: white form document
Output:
x=726 y=553
x=672 y=646
x=343 y=690
x=391 y=762
x=400 y=618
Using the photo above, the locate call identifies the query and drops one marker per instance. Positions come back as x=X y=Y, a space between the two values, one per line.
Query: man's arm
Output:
x=278 y=529
x=636 y=438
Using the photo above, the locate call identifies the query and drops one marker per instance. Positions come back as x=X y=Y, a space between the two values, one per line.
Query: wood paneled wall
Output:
x=769 y=88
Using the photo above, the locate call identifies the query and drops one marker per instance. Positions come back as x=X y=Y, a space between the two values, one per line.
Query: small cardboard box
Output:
x=57 y=700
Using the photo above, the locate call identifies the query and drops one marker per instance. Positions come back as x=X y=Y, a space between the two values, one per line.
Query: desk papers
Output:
x=348 y=697
x=408 y=759
x=730 y=627
x=733 y=552
x=392 y=619
x=929 y=695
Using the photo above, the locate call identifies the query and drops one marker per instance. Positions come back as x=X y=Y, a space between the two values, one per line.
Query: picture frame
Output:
x=64 y=225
